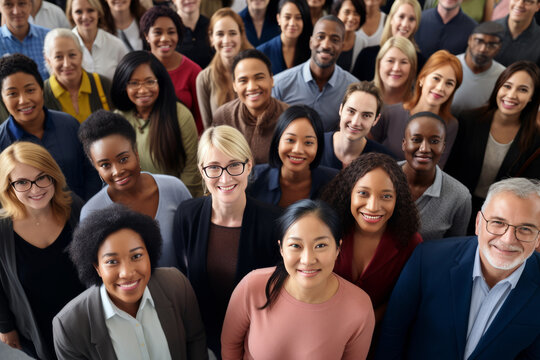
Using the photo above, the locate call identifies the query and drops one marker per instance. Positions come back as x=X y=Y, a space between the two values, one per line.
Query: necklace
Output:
x=140 y=119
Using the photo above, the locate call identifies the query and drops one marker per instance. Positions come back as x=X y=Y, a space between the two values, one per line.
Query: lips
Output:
x=372 y=219
x=253 y=96
x=227 y=188
x=129 y=286
x=308 y=273
x=26 y=110
x=423 y=158
x=296 y=159
x=509 y=104
x=123 y=181
x=37 y=197
x=435 y=95
x=354 y=129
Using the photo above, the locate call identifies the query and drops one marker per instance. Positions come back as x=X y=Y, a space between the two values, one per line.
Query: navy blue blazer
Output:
x=269 y=30
x=273 y=49
x=265 y=186
x=428 y=313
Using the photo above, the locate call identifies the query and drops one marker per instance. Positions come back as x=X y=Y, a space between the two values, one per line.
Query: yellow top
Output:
x=64 y=98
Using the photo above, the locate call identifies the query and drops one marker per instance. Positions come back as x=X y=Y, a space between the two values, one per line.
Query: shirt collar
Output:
x=435 y=189
x=512 y=279
x=98 y=41
x=58 y=90
x=31 y=31
x=306 y=73
x=18 y=132
x=110 y=309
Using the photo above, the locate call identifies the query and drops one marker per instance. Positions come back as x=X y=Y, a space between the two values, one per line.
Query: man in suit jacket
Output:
x=476 y=297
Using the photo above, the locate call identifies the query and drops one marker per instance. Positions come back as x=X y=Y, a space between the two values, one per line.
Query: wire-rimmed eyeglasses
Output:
x=524 y=233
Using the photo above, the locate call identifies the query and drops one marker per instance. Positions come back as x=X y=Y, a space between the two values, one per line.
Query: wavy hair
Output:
x=135 y=9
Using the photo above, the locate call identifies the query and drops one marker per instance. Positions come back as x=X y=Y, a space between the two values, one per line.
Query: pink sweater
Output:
x=340 y=328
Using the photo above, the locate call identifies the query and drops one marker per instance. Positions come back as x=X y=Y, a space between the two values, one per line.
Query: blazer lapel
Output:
x=167 y=318
x=99 y=335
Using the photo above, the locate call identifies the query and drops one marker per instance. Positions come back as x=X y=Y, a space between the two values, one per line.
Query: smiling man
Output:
x=319 y=82
x=477 y=297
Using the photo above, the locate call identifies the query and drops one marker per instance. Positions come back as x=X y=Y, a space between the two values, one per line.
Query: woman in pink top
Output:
x=162 y=29
x=300 y=309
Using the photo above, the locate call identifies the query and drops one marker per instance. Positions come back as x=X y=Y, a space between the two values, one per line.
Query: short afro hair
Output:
x=15 y=63
x=103 y=123
x=151 y=15
x=96 y=227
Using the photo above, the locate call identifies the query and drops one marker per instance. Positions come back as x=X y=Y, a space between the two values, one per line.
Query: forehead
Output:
x=164 y=22
x=377 y=180
x=486 y=37
x=514 y=209
x=18 y=79
x=425 y=125
x=24 y=171
x=122 y=240
x=362 y=100
x=328 y=27
x=445 y=71
x=250 y=66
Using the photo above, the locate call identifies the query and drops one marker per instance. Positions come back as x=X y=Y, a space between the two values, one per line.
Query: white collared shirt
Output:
x=50 y=16
x=136 y=338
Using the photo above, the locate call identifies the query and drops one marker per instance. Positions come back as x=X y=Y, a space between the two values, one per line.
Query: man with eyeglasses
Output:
x=480 y=71
x=474 y=297
x=521 y=37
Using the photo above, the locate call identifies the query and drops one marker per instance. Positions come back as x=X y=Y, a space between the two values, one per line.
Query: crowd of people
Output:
x=270 y=179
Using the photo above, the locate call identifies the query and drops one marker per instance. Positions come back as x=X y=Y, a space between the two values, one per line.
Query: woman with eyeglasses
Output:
x=37 y=219
x=223 y=236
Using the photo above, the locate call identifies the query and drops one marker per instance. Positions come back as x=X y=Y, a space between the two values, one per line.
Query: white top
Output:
x=107 y=51
x=374 y=39
x=139 y=338
x=493 y=159
x=133 y=36
x=50 y=16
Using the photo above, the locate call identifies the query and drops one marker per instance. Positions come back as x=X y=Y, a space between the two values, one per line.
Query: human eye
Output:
x=111 y=262
x=450 y=83
x=78 y=12
x=235 y=165
x=123 y=159
x=21 y=182
x=11 y=93
x=321 y=246
x=523 y=89
x=213 y=167
x=435 y=141
x=362 y=193
x=310 y=142
x=294 y=246
x=104 y=165
x=137 y=256
x=506 y=86
x=387 y=196
x=497 y=223
x=58 y=57
x=525 y=230
x=287 y=17
x=416 y=139
x=31 y=90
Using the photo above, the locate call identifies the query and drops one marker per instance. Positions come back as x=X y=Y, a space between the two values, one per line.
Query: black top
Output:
x=195 y=44
x=345 y=59
x=49 y=279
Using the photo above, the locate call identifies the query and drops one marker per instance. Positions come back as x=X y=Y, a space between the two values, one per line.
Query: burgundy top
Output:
x=381 y=274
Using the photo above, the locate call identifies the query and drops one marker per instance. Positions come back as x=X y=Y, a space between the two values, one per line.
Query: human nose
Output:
x=225 y=176
x=509 y=236
x=424 y=146
x=298 y=147
x=307 y=256
x=126 y=269
x=372 y=203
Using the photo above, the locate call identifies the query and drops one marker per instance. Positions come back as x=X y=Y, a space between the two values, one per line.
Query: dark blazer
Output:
x=428 y=313
x=80 y=331
x=257 y=248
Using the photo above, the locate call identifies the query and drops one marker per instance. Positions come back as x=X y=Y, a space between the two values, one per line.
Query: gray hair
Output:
x=521 y=187
x=54 y=34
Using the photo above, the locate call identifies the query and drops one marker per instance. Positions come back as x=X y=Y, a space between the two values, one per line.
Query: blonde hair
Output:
x=219 y=73
x=27 y=153
x=226 y=139
x=48 y=43
x=387 y=30
x=96 y=5
x=407 y=48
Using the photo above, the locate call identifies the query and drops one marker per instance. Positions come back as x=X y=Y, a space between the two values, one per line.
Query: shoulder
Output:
x=324 y=172
x=80 y=309
x=190 y=209
x=444 y=251
x=353 y=295
x=183 y=113
x=454 y=187
x=255 y=281
x=204 y=75
x=99 y=201
x=170 y=280
x=190 y=65
x=65 y=119
x=262 y=170
x=262 y=209
x=39 y=30
x=170 y=185
x=287 y=74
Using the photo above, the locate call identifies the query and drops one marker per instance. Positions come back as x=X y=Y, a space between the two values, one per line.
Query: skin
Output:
x=394 y=68
x=163 y=38
x=189 y=11
x=326 y=44
x=515 y=94
x=253 y=83
x=124 y=267
x=309 y=253
x=404 y=22
x=226 y=39
x=298 y=147
x=437 y=87
x=144 y=97
x=350 y=17
x=86 y=19
x=290 y=22
x=448 y=9
x=36 y=198
x=521 y=14
x=480 y=51
x=121 y=13
x=15 y=15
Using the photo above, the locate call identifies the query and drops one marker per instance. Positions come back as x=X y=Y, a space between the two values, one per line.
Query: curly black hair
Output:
x=15 y=63
x=151 y=15
x=404 y=222
x=96 y=227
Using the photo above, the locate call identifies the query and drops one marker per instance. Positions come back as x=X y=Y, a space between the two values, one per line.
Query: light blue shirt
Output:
x=486 y=302
x=296 y=86
x=31 y=46
x=136 y=338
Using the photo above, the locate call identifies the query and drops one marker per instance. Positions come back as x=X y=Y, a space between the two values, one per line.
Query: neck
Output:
x=36 y=6
x=35 y=127
x=122 y=19
x=321 y=75
x=88 y=36
x=425 y=107
x=258 y=112
x=517 y=27
x=190 y=20
x=369 y=236
x=372 y=11
x=288 y=42
x=394 y=95
x=39 y=215
x=171 y=62
x=447 y=15
x=20 y=32
x=294 y=176
x=493 y=276
x=316 y=13
x=126 y=197
x=144 y=112
x=227 y=214
x=476 y=69
x=71 y=86
x=419 y=178
x=257 y=15
x=506 y=120
x=317 y=295
x=345 y=147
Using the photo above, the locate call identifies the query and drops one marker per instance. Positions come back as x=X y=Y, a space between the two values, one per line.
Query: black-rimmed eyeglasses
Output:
x=233 y=169
x=23 y=185
x=524 y=233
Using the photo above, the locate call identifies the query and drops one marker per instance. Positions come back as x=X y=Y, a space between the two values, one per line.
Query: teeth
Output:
x=128 y=285
x=227 y=188
x=295 y=158
x=309 y=271
x=372 y=217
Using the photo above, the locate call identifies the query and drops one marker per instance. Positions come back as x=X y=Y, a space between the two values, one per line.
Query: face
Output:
x=257 y=5
x=483 y=48
x=515 y=94
x=449 y=5
x=187 y=6
x=358 y=115
x=438 y=86
x=403 y=23
x=423 y=143
x=350 y=17
x=65 y=59
x=315 y=4
x=309 y=252
x=23 y=97
x=226 y=189
x=119 y=5
x=124 y=266
x=143 y=95
x=35 y=198
x=373 y=200
x=523 y=10
x=226 y=38
x=394 y=68
x=15 y=13
x=162 y=37
x=326 y=43
x=253 y=84
x=116 y=162
x=290 y=21
x=84 y=15
x=298 y=145
x=504 y=253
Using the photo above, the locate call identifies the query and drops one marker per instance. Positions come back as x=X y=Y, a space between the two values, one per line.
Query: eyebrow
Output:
x=115 y=254
x=319 y=238
x=38 y=175
x=117 y=155
x=368 y=188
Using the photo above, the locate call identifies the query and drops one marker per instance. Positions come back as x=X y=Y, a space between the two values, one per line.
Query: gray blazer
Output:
x=80 y=331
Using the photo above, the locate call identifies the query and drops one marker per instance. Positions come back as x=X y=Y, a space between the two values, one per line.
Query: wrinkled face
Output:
x=358 y=115
x=298 y=146
x=227 y=189
x=39 y=196
x=143 y=88
x=187 y=7
x=504 y=253
x=449 y=5
x=438 y=86
x=119 y=5
x=162 y=37
x=404 y=22
x=226 y=38
x=84 y=15
x=116 y=162
x=423 y=143
x=373 y=200
x=514 y=95
x=483 y=48
x=290 y=21
x=350 y=17
x=523 y=10
x=124 y=266
x=394 y=68
x=326 y=43
x=15 y=13
x=253 y=84
x=65 y=60
x=257 y=5
x=309 y=253
x=23 y=98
